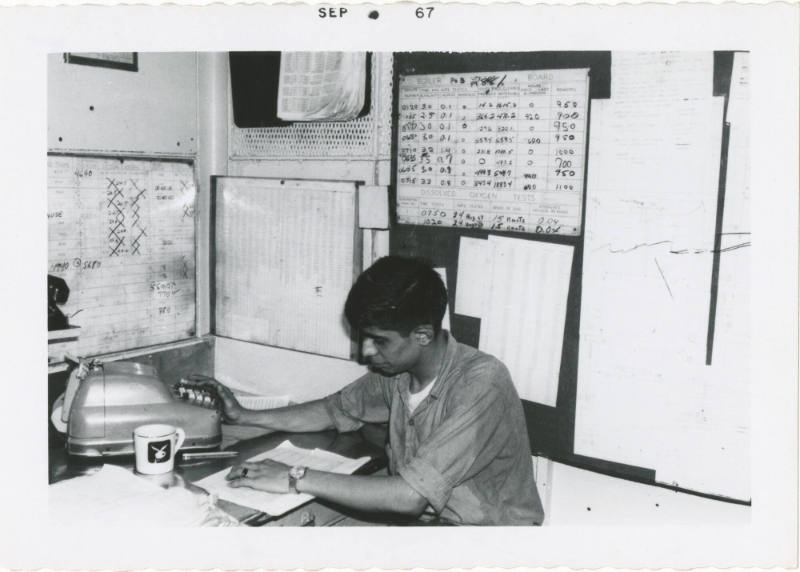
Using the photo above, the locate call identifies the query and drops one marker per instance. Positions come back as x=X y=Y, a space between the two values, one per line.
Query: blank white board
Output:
x=285 y=256
x=122 y=235
x=645 y=394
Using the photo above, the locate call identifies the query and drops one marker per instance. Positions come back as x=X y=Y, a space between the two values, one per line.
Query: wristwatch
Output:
x=295 y=474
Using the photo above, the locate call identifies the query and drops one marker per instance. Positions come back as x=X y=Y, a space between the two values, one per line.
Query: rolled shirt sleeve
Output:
x=366 y=400
x=471 y=436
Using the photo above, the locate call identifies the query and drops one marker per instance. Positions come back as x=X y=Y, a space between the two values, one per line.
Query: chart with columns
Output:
x=501 y=151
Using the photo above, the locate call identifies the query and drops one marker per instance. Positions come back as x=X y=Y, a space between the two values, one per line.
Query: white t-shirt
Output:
x=414 y=399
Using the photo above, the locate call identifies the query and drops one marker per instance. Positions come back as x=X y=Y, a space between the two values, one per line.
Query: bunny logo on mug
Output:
x=155 y=446
x=158 y=451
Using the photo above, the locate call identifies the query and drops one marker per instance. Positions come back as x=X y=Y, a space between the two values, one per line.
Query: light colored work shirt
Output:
x=465 y=447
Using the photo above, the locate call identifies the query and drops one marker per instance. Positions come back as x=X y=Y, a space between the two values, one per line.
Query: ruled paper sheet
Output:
x=121 y=233
x=285 y=255
x=526 y=311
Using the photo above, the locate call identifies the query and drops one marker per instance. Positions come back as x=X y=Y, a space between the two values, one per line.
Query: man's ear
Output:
x=423 y=334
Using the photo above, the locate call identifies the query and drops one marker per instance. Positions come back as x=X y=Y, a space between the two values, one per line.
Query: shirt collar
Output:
x=404 y=379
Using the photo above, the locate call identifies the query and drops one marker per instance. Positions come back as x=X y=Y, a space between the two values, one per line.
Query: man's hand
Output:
x=232 y=412
x=267 y=475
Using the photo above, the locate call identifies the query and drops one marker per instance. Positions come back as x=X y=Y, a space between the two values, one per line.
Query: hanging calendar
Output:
x=502 y=151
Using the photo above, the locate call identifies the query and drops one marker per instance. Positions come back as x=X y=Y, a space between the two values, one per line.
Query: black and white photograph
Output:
x=519 y=299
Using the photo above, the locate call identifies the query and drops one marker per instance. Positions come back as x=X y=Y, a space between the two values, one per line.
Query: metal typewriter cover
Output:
x=116 y=397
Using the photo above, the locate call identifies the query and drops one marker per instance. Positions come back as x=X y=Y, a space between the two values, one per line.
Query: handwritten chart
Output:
x=499 y=151
x=121 y=233
x=285 y=261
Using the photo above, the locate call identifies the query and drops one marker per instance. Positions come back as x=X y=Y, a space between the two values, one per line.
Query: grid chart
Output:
x=122 y=235
x=367 y=137
x=501 y=151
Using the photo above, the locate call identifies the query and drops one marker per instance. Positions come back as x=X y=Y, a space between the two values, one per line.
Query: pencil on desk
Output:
x=210 y=455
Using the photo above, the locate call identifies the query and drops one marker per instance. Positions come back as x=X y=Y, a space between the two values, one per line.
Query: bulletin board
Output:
x=551 y=428
x=121 y=233
x=286 y=253
x=501 y=150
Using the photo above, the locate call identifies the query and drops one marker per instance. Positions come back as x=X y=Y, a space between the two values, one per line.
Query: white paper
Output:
x=446 y=319
x=647 y=76
x=114 y=496
x=261 y=402
x=718 y=422
x=288 y=454
x=473 y=279
x=373 y=207
x=284 y=262
x=500 y=150
x=646 y=298
x=122 y=235
x=321 y=86
x=526 y=311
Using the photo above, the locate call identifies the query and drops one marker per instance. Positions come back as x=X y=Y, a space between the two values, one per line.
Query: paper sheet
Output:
x=500 y=150
x=122 y=235
x=718 y=422
x=277 y=504
x=446 y=319
x=526 y=311
x=644 y=392
x=373 y=207
x=114 y=496
x=321 y=86
x=473 y=279
x=648 y=76
x=285 y=252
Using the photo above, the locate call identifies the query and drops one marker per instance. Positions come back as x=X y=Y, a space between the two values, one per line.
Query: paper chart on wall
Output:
x=525 y=313
x=648 y=76
x=285 y=254
x=321 y=86
x=718 y=424
x=122 y=235
x=650 y=226
x=473 y=280
x=501 y=151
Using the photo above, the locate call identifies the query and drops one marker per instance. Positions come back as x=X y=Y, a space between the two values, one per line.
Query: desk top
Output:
x=251 y=442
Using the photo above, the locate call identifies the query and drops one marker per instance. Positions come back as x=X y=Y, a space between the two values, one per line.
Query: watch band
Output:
x=295 y=474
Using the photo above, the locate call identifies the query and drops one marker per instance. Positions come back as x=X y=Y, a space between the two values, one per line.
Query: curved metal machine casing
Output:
x=118 y=397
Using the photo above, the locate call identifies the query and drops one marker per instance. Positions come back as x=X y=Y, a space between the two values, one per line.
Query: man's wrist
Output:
x=295 y=476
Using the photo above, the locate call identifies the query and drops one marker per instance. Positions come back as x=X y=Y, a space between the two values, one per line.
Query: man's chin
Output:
x=384 y=369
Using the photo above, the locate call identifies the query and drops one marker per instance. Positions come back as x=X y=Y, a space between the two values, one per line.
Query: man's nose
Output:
x=368 y=348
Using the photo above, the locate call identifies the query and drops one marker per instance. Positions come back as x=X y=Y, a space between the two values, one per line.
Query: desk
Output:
x=315 y=513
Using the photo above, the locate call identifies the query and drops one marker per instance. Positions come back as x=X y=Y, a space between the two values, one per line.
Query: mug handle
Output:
x=181 y=438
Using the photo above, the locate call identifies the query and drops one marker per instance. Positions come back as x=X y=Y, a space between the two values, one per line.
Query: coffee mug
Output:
x=156 y=446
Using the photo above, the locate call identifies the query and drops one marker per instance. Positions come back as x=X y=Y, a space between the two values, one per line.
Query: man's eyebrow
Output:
x=374 y=336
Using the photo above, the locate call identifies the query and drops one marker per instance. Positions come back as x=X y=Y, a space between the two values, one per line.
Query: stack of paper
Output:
x=114 y=496
x=321 y=86
x=288 y=454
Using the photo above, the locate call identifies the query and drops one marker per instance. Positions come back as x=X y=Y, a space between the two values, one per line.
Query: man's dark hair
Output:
x=397 y=293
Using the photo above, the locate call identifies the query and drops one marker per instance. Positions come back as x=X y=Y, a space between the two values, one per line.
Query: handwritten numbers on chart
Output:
x=497 y=150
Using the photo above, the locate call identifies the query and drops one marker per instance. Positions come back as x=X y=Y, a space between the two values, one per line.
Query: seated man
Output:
x=458 y=444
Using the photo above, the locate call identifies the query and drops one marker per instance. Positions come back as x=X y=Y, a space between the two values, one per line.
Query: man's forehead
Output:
x=373 y=332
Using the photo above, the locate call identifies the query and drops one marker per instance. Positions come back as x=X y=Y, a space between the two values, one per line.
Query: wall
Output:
x=152 y=111
x=577 y=497
x=571 y=496
x=274 y=371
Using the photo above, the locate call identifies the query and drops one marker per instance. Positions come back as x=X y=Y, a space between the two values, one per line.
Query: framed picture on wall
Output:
x=128 y=61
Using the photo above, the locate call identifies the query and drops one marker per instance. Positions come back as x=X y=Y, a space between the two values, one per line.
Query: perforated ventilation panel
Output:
x=367 y=137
